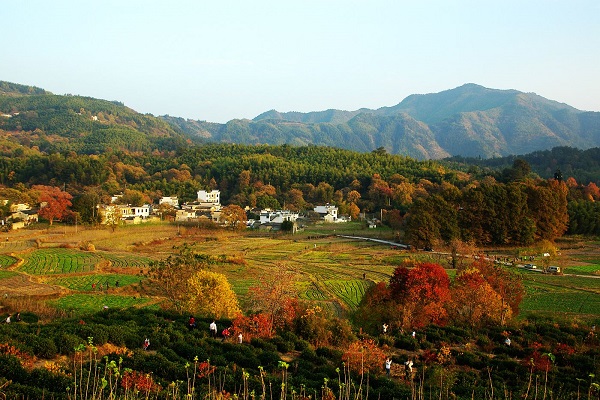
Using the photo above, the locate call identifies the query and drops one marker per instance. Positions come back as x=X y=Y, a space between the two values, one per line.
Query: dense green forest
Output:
x=581 y=165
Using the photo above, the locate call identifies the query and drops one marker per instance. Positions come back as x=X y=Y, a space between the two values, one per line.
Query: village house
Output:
x=213 y=197
x=126 y=213
x=207 y=207
x=277 y=216
x=169 y=200
x=329 y=213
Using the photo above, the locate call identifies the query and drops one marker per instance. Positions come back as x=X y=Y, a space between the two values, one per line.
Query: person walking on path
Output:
x=408 y=368
x=191 y=323
x=388 y=366
x=213 y=329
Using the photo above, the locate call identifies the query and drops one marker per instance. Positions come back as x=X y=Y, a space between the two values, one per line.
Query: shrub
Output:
x=269 y=359
x=44 y=379
x=283 y=346
x=407 y=343
x=331 y=354
x=469 y=359
x=302 y=345
x=66 y=343
x=40 y=346
x=11 y=369
x=263 y=344
x=116 y=335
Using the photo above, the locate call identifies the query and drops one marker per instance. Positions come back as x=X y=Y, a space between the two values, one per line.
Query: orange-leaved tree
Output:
x=275 y=295
x=234 y=217
x=474 y=301
x=53 y=202
x=364 y=356
x=507 y=284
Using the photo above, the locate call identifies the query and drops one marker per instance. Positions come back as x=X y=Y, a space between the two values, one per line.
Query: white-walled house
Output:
x=125 y=213
x=212 y=197
x=172 y=201
x=143 y=211
x=278 y=216
x=328 y=212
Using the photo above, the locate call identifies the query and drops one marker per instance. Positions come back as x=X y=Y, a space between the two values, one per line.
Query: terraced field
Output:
x=6 y=261
x=59 y=261
x=126 y=260
x=96 y=302
x=95 y=282
x=333 y=272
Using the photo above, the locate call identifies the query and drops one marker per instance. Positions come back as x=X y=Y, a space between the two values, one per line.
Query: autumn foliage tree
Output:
x=209 y=293
x=364 y=356
x=170 y=276
x=428 y=290
x=474 y=301
x=234 y=217
x=276 y=297
x=53 y=202
x=505 y=283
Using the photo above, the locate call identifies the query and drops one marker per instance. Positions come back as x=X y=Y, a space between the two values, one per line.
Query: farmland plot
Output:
x=350 y=292
x=6 y=261
x=59 y=261
x=126 y=260
x=96 y=302
x=545 y=298
x=95 y=282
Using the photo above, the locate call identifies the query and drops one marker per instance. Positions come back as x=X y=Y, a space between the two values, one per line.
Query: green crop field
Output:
x=59 y=261
x=7 y=274
x=6 y=261
x=545 y=298
x=95 y=282
x=126 y=260
x=593 y=269
x=331 y=271
x=350 y=292
x=96 y=302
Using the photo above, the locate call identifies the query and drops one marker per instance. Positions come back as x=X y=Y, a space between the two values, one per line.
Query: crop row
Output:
x=6 y=261
x=97 y=302
x=95 y=281
x=59 y=261
x=542 y=297
x=350 y=292
x=127 y=260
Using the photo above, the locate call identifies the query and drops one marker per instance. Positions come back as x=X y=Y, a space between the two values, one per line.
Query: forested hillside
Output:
x=581 y=165
x=51 y=123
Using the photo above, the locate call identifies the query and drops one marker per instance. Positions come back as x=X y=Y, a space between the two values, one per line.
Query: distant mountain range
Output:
x=470 y=120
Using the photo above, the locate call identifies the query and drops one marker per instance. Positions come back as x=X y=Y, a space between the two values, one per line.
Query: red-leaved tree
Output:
x=53 y=202
x=422 y=293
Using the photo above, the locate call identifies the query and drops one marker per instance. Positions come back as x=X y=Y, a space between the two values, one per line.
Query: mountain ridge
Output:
x=470 y=120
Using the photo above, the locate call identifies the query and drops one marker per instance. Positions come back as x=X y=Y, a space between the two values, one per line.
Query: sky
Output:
x=220 y=60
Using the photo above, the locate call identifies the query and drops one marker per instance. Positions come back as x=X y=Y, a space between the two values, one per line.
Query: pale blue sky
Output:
x=219 y=60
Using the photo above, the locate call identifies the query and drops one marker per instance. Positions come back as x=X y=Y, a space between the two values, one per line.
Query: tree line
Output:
x=428 y=200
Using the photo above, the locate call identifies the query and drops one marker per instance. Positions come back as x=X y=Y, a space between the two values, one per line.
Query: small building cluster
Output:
x=207 y=207
x=20 y=215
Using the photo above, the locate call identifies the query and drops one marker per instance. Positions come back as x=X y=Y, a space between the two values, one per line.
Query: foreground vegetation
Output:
x=101 y=356
x=88 y=351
